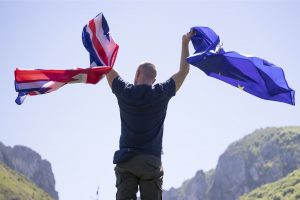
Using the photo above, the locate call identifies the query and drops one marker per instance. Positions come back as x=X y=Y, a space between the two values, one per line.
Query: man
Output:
x=143 y=108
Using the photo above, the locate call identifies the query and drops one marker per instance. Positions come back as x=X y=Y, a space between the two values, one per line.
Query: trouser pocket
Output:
x=127 y=185
x=118 y=177
x=151 y=189
x=154 y=163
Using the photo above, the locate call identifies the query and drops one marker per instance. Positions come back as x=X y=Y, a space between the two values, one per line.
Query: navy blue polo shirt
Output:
x=143 y=109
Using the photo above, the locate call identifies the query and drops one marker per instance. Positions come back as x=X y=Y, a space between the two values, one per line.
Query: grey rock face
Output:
x=259 y=158
x=30 y=164
x=193 y=189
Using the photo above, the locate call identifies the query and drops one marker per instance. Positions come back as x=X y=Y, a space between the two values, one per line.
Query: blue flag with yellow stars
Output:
x=248 y=73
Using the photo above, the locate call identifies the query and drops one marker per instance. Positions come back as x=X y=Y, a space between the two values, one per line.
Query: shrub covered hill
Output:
x=14 y=186
x=262 y=157
x=287 y=188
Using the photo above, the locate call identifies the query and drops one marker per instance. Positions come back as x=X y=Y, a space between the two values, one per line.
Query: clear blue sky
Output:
x=77 y=127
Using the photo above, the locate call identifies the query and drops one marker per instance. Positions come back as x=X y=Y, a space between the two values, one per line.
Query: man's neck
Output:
x=144 y=82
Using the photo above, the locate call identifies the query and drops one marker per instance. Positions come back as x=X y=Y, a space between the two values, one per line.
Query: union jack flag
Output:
x=99 y=43
x=102 y=49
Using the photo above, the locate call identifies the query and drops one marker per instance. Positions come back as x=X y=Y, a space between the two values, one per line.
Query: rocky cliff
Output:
x=259 y=158
x=31 y=165
x=193 y=189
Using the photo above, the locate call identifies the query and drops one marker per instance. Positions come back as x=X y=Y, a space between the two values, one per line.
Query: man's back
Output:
x=142 y=111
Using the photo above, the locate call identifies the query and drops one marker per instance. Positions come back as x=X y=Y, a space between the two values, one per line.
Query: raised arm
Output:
x=184 y=68
x=111 y=75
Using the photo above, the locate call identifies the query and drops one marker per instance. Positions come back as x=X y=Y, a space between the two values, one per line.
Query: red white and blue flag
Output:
x=102 y=49
x=99 y=43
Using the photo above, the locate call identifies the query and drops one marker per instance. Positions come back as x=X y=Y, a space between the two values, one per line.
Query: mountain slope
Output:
x=259 y=158
x=287 y=188
x=14 y=186
x=30 y=164
x=264 y=156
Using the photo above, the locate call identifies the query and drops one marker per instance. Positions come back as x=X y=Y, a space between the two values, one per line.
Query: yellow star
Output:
x=241 y=87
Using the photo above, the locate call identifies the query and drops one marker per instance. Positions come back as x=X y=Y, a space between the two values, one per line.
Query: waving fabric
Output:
x=102 y=50
x=251 y=74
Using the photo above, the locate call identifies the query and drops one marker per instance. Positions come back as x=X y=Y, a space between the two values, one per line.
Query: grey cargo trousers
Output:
x=142 y=172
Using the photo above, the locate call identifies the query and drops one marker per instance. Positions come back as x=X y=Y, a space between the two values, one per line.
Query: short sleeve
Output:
x=119 y=86
x=168 y=87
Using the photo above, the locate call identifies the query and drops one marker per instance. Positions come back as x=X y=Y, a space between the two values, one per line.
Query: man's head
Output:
x=145 y=74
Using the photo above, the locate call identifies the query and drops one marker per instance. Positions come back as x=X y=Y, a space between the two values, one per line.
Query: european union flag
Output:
x=250 y=74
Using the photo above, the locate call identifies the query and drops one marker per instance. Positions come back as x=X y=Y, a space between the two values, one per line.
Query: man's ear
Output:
x=138 y=73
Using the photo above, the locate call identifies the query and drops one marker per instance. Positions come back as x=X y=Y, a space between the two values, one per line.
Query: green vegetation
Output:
x=287 y=188
x=287 y=138
x=14 y=186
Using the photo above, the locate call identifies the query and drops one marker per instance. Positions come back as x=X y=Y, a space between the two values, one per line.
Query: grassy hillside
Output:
x=287 y=188
x=14 y=186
